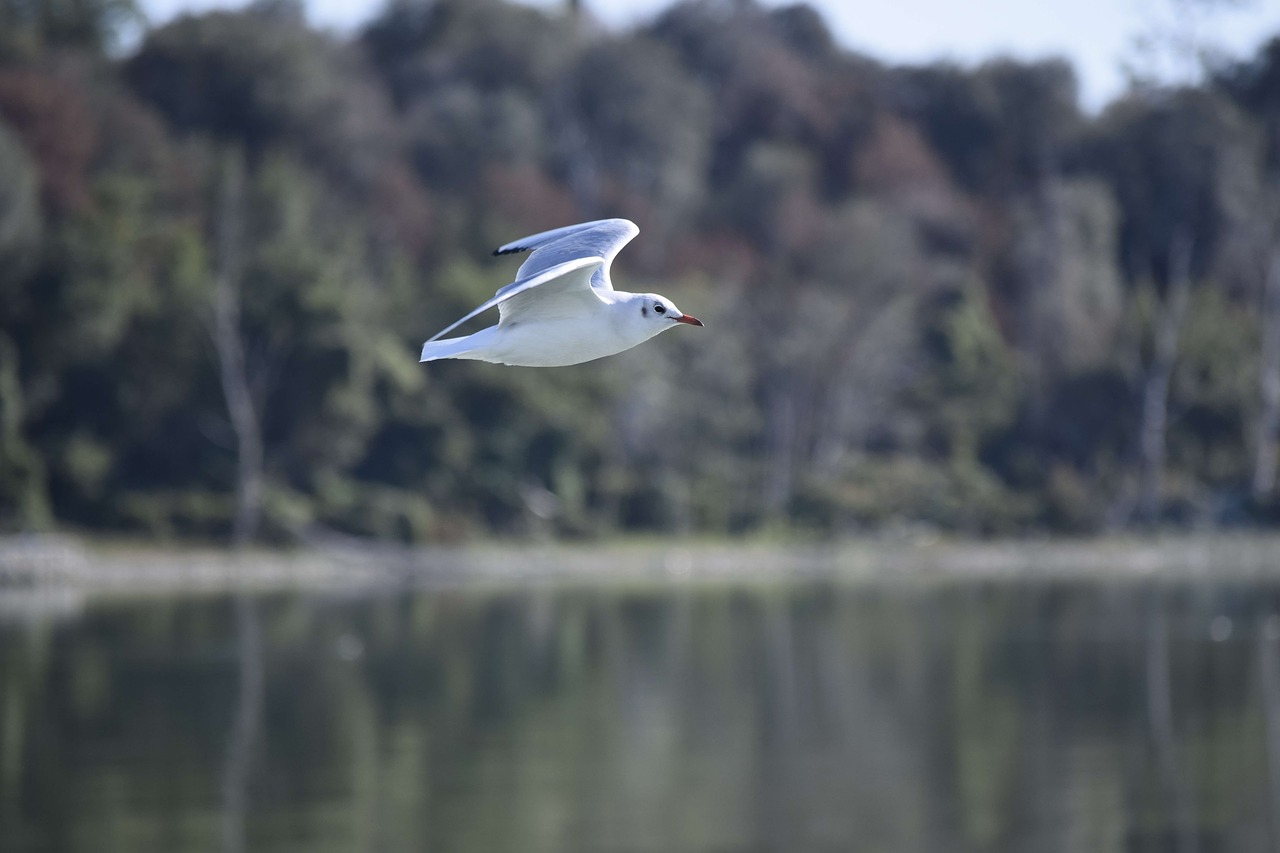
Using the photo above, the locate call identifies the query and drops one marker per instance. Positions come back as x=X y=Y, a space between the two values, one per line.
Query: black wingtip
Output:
x=510 y=251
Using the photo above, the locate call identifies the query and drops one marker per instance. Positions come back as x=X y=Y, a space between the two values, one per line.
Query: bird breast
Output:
x=558 y=343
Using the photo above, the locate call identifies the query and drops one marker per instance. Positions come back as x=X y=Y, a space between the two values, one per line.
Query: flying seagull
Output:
x=562 y=308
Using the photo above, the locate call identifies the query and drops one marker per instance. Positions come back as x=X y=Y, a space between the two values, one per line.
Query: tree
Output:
x=24 y=498
x=263 y=79
x=629 y=122
x=1255 y=86
x=228 y=341
x=1004 y=129
x=28 y=27
x=1176 y=161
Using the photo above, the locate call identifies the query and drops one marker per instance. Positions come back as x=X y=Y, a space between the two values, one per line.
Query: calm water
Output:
x=1012 y=716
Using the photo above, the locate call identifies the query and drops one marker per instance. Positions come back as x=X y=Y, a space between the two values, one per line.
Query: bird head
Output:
x=654 y=313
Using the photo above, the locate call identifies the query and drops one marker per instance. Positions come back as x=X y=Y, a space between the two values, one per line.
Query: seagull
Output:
x=562 y=308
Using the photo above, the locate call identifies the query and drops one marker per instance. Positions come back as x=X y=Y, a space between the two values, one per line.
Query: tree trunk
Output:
x=1155 y=387
x=1268 y=424
x=24 y=484
x=230 y=347
x=779 y=483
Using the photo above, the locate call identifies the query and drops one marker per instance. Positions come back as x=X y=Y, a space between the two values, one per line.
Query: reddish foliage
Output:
x=799 y=221
x=896 y=157
x=528 y=199
x=725 y=256
x=401 y=207
x=58 y=130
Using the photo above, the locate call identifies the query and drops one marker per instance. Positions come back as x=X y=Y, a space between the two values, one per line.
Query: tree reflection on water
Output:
x=1089 y=716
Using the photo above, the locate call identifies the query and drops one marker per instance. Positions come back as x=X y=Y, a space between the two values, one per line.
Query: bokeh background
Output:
x=938 y=295
x=953 y=531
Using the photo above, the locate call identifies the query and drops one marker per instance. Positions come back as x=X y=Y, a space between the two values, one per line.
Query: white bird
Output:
x=562 y=308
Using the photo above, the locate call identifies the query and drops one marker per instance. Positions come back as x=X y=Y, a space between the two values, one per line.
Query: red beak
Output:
x=690 y=319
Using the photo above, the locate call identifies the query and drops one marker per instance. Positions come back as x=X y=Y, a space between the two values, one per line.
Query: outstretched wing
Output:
x=603 y=239
x=559 y=279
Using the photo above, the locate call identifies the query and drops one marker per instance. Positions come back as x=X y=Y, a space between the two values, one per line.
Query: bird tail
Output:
x=448 y=348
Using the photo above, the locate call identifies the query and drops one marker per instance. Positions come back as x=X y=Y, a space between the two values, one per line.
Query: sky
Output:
x=1098 y=36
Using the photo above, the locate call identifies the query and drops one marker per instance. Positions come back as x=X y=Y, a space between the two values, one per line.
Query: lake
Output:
x=990 y=714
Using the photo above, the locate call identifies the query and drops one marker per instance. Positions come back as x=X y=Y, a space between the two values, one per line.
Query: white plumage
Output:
x=562 y=308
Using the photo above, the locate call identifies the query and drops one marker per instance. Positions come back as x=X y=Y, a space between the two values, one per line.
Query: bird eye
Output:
x=661 y=309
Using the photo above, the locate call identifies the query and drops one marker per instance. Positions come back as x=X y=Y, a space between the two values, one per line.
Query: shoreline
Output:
x=51 y=562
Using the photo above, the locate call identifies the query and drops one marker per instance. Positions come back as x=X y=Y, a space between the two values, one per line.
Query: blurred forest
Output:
x=938 y=297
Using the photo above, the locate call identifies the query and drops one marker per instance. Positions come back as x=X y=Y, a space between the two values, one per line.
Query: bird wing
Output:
x=557 y=280
x=603 y=239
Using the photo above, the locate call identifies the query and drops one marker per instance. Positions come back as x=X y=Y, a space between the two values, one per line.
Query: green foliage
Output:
x=28 y=27
x=263 y=78
x=1175 y=162
x=1215 y=396
x=628 y=111
x=20 y=221
x=999 y=128
x=24 y=500
x=931 y=293
x=881 y=492
x=971 y=385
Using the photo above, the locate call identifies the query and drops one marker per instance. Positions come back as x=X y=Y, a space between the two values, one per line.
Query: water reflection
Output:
x=813 y=717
